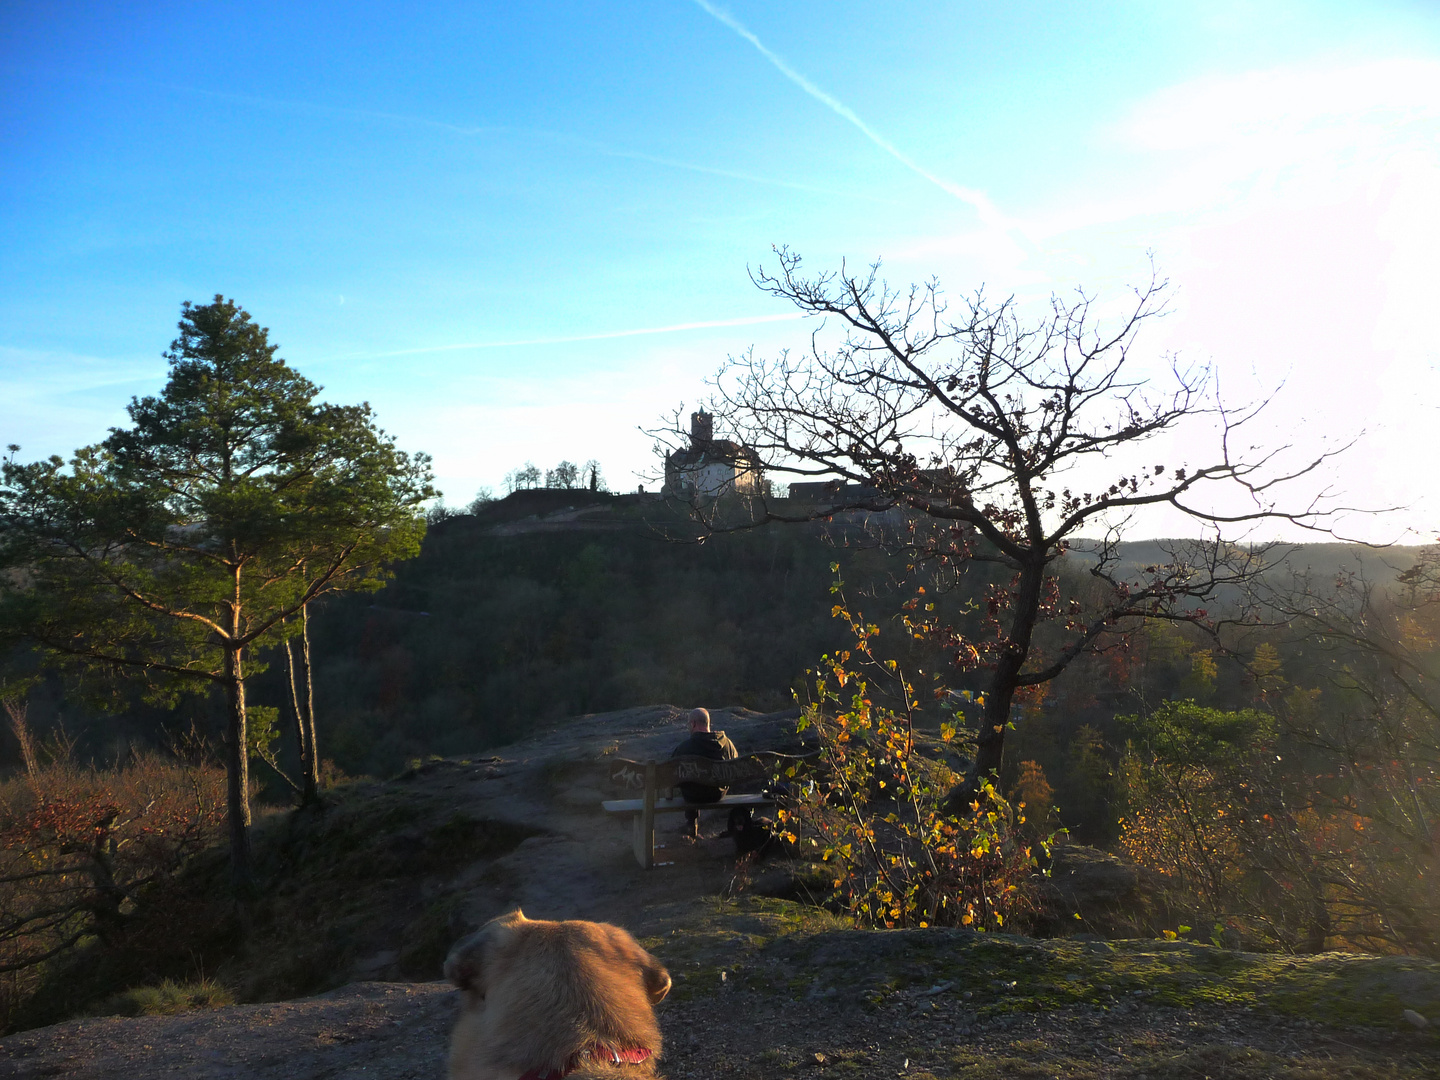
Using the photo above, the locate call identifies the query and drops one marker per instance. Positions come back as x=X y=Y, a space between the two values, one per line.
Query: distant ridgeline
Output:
x=552 y=603
x=555 y=603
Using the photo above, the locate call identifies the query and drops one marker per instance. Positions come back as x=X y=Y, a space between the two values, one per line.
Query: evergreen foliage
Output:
x=179 y=547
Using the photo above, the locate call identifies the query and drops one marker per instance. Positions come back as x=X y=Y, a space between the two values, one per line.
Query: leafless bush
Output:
x=78 y=844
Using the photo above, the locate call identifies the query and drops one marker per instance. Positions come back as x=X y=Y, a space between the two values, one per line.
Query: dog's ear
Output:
x=465 y=965
x=657 y=981
x=462 y=966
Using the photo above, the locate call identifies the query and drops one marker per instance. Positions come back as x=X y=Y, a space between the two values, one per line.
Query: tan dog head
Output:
x=539 y=994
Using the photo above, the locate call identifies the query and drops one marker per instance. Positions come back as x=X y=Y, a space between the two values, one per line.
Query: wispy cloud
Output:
x=474 y=130
x=977 y=199
x=316 y=109
x=671 y=163
x=751 y=320
x=62 y=373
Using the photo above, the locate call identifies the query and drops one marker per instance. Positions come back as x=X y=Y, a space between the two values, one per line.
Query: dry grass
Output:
x=80 y=845
x=167 y=998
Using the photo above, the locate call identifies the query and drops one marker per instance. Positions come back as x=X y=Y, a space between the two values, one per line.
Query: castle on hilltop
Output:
x=709 y=467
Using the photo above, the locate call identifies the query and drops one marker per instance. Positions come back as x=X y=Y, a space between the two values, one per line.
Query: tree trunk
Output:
x=237 y=771
x=1320 y=927
x=302 y=746
x=312 y=774
x=108 y=897
x=990 y=743
x=305 y=713
x=1318 y=932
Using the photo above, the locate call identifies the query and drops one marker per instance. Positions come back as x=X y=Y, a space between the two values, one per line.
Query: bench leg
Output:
x=644 y=845
x=645 y=822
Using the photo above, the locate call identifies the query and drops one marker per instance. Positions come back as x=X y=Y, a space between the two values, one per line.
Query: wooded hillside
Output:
x=549 y=604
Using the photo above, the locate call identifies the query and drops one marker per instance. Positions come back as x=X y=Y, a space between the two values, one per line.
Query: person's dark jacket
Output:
x=707 y=744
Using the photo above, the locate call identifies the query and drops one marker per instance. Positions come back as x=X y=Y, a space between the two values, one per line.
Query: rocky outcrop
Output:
x=1112 y=897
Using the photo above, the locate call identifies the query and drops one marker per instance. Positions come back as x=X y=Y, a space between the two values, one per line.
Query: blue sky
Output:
x=462 y=212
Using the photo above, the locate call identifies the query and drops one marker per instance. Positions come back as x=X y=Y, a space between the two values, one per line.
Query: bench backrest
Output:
x=701 y=770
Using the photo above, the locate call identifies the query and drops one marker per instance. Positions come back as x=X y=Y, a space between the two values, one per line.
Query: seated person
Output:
x=705 y=743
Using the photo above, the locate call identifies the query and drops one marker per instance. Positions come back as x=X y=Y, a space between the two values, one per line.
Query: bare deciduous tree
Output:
x=592 y=477
x=522 y=479
x=565 y=475
x=1003 y=440
x=1360 y=831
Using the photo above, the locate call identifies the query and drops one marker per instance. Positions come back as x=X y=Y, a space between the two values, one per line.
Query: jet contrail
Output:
x=977 y=199
x=745 y=321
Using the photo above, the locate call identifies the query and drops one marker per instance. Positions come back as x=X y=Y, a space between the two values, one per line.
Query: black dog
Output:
x=753 y=836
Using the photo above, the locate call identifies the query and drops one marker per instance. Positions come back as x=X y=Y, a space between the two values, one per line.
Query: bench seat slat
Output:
x=634 y=806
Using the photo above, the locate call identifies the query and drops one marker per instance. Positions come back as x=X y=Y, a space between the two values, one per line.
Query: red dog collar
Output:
x=597 y=1053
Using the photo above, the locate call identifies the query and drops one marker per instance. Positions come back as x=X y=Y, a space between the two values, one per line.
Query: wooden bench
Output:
x=650 y=778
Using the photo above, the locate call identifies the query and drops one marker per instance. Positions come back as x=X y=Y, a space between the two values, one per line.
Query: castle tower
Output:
x=702 y=428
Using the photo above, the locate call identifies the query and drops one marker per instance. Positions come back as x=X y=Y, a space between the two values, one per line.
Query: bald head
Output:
x=699 y=720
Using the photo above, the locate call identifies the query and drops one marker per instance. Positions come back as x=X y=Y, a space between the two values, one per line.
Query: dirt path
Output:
x=582 y=866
